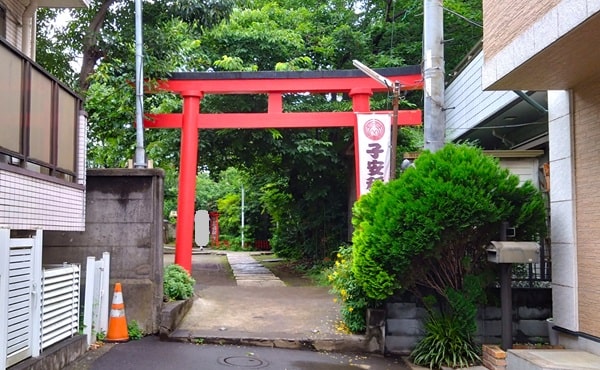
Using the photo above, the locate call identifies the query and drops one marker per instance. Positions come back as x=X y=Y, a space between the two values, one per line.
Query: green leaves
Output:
x=177 y=284
x=424 y=226
x=445 y=344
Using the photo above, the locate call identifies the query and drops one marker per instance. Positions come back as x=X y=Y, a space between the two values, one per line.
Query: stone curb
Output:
x=355 y=345
x=171 y=315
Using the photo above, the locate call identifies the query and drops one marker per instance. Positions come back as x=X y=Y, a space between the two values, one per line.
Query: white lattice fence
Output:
x=60 y=303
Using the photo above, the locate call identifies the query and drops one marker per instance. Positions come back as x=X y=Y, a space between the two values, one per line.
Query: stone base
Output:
x=56 y=356
x=171 y=316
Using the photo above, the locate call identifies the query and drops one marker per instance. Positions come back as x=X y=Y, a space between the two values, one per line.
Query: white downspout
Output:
x=28 y=36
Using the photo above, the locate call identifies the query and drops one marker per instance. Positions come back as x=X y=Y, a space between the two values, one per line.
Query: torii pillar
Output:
x=188 y=169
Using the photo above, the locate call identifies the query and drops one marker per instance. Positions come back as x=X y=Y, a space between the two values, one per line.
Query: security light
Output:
x=374 y=75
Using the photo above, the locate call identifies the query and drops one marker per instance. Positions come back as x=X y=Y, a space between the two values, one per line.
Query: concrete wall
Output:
x=531 y=308
x=124 y=217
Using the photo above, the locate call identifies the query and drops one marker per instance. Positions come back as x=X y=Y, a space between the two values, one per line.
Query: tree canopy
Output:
x=300 y=178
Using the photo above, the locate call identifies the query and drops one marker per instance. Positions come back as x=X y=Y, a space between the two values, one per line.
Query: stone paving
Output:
x=249 y=272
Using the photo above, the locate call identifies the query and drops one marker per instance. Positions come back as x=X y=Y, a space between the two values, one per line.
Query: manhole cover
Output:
x=244 y=361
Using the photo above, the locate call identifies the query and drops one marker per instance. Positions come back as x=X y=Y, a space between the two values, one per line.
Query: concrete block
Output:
x=534 y=313
x=490 y=313
x=593 y=6
x=171 y=315
x=534 y=328
x=401 y=310
x=401 y=345
x=492 y=328
x=562 y=225
x=565 y=309
x=120 y=211
x=57 y=356
x=561 y=186
x=570 y=14
x=408 y=327
x=546 y=30
x=141 y=304
x=565 y=271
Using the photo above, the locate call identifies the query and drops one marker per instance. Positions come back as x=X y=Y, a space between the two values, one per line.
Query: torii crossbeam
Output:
x=192 y=86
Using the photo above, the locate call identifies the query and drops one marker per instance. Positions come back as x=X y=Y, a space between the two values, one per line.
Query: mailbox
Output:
x=514 y=252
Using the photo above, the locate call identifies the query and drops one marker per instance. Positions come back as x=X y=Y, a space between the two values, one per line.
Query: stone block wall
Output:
x=124 y=216
x=531 y=307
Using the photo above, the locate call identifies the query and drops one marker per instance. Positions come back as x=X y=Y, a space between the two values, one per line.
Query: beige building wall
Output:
x=539 y=45
x=505 y=20
x=553 y=45
x=586 y=108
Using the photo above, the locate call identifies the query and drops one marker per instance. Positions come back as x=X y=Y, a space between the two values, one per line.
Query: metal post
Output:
x=506 y=303
x=188 y=164
x=434 y=119
x=506 y=296
x=395 y=103
x=140 y=154
x=242 y=216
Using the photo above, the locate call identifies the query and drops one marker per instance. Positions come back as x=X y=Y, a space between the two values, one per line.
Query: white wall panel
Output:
x=468 y=104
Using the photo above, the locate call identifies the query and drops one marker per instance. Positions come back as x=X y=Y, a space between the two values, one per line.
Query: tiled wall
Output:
x=586 y=110
x=32 y=203
x=505 y=20
x=516 y=31
x=564 y=247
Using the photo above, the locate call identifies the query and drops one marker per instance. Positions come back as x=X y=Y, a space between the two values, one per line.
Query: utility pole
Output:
x=433 y=73
x=140 y=154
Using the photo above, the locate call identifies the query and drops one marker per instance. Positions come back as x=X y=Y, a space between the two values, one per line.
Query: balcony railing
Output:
x=39 y=121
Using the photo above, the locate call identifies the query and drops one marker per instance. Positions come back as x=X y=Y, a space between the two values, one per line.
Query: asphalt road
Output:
x=150 y=353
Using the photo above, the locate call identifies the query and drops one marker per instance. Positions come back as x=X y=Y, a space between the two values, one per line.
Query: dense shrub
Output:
x=178 y=284
x=431 y=225
x=429 y=229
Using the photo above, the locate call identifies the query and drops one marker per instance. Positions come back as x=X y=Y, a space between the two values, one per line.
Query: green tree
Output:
x=308 y=166
x=430 y=228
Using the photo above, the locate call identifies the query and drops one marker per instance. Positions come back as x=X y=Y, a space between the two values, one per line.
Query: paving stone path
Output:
x=249 y=272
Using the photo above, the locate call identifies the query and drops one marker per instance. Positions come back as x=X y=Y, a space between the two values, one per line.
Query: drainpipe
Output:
x=28 y=33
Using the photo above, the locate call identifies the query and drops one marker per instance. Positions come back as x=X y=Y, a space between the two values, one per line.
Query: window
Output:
x=39 y=120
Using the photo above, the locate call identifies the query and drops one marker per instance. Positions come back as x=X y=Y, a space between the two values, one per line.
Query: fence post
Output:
x=88 y=322
x=4 y=248
x=37 y=315
x=105 y=290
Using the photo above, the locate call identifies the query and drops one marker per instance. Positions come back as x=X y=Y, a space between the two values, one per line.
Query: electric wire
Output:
x=462 y=17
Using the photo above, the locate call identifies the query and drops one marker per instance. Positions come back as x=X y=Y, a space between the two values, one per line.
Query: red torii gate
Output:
x=192 y=86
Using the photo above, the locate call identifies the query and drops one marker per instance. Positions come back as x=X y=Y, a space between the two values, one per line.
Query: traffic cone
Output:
x=117 y=323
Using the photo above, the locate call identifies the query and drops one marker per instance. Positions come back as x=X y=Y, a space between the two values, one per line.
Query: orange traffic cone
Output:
x=117 y=323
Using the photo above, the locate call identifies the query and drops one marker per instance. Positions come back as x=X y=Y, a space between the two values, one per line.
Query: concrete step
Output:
x=249 y=272
x=551 y=359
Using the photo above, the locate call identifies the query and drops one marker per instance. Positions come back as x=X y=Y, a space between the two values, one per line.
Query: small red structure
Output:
x=214 y=228
x=192 y=86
